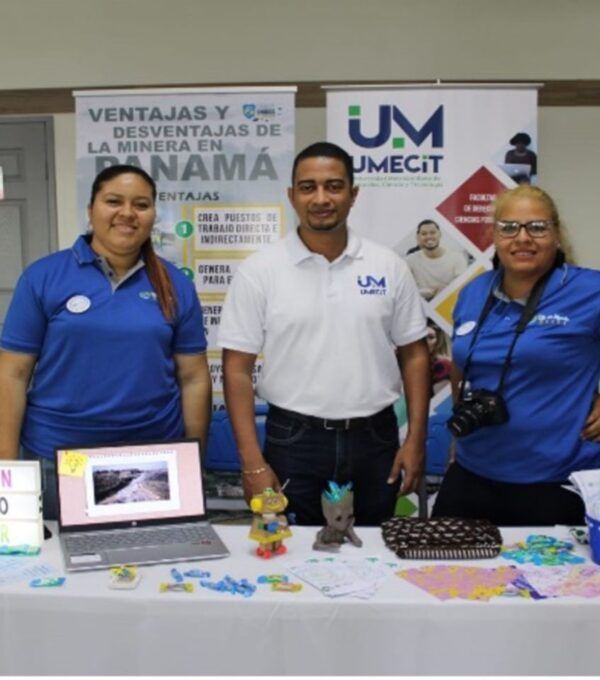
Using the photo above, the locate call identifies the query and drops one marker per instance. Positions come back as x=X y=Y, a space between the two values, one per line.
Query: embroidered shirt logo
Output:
x=549 y=320
x=148 y=295
x=370 y=285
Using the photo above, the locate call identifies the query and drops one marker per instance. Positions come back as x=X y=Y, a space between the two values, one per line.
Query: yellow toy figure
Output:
x=268 y=527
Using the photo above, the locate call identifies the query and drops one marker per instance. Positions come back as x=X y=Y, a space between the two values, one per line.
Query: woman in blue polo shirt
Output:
x=114 y=333
x=526 y=410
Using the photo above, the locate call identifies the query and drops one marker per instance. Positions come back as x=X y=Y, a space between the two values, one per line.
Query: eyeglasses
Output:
x=535 y=228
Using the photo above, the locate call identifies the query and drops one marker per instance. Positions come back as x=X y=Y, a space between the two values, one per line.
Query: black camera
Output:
x=477 y=409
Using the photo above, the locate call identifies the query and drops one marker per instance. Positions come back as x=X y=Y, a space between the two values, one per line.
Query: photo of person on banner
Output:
x=433 y=266
x=340 y=325
x=439 y=363
x=521 y=162
x=526 y=366
x=437 y=343
x=103 y=342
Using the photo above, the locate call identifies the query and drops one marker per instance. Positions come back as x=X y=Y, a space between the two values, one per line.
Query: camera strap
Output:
x=527 y=314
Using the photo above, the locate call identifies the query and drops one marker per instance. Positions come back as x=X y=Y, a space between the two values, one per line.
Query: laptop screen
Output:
x=129 y=483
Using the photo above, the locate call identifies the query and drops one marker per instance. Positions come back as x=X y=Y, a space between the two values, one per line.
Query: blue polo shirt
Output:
x=550 y=385
x=105 y=369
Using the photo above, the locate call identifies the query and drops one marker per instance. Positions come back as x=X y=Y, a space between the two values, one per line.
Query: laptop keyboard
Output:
x=132 y=538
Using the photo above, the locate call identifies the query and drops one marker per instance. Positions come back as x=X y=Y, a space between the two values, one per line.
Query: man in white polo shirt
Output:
x=333 y=315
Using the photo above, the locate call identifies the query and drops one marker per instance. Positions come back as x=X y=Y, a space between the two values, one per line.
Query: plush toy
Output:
x=338 y=508
x=268 y=527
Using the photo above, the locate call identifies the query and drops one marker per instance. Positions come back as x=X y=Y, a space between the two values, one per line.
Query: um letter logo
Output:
x=371 y=282
x=433 y=127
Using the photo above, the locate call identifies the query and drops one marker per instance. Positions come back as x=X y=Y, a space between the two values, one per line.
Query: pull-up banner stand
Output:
x=429 y=161
x=222 y=161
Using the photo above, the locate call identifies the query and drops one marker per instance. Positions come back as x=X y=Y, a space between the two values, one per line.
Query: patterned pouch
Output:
x=441 y=538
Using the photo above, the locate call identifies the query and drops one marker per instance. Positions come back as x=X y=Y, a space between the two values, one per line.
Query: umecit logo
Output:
x=549 y=320
x=148 y=295
x=389 y=120
x=369 y=285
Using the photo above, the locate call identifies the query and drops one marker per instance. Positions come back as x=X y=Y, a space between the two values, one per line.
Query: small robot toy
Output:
x=268 y=527
x=338 y=508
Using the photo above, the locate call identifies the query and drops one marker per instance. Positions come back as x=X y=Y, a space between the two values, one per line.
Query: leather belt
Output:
x=330 y=423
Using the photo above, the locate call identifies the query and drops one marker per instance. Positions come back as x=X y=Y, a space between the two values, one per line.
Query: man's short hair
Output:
x=325 y=150
x=423 y=222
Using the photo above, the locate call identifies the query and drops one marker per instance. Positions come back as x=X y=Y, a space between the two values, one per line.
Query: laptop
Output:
x=133 y=504
x=517 y=171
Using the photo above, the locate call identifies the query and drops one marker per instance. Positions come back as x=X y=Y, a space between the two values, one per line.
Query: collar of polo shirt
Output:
x=299 y=252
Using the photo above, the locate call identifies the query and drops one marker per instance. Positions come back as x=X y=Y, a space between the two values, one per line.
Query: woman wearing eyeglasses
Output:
x=526 y=366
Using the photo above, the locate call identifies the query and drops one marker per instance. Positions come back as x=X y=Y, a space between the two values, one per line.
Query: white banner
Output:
x=434 y=153
x=222 y=161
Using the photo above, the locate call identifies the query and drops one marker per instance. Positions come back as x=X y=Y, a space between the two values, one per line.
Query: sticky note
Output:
x=72 y=463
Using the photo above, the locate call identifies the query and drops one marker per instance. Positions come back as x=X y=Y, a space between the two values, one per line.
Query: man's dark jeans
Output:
x=311 y=456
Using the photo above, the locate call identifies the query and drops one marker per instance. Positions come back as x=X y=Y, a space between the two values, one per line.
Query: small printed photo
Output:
x=520 y=162
x=131 y=483
x=438 y=344
x=435 y=259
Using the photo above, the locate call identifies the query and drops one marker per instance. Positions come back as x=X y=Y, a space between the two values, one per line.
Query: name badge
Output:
x=78 y=304
x=465 y=328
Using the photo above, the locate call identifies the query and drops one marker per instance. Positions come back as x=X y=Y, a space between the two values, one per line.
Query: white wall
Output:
x=74 y=43
x=98 y=43
x=69 y=225
x=569 y=152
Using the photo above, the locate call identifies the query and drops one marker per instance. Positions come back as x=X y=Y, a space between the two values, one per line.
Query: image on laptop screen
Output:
x=126 y=483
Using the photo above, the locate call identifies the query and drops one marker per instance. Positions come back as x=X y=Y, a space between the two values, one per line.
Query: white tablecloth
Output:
x=86 y=628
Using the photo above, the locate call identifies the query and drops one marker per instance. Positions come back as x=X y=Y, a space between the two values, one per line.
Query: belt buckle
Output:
x=326 y=425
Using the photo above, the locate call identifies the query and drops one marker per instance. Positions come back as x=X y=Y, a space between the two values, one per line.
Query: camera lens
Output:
x=479 y=408
x=466 y=417
x=461 y=424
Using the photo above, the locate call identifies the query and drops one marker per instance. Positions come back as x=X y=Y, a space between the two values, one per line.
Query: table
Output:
x=86 y=628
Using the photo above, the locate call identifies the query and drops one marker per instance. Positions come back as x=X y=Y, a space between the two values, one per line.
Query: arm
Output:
x=591 y=430
x=414 y=366
x=455 y=378
x=195 y=386
x=239 y=397
x=15 y=373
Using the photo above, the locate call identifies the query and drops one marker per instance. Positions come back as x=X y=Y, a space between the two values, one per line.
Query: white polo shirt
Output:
x=327 y=330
